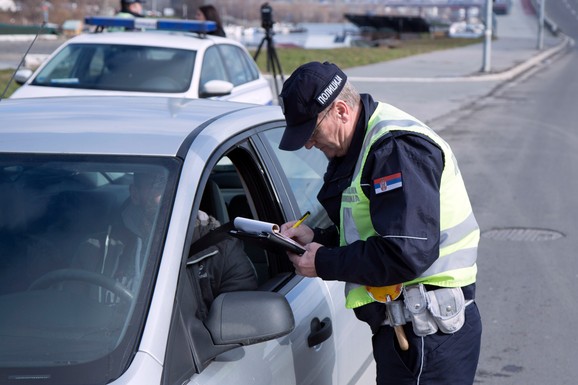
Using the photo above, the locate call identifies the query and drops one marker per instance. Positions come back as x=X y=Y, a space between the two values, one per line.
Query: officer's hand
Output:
x=305 y=264
x=302 y=233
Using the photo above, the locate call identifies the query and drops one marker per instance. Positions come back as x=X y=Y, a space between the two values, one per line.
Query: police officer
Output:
x=402 y=219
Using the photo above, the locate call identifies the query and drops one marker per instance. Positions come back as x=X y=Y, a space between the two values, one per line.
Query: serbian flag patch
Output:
x=387 y=183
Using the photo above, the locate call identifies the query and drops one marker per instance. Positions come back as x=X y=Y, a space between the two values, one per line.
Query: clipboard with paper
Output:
x=265 y=234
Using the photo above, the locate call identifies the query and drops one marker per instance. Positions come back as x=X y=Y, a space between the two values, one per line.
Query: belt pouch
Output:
x=416 y=303
x=447 y=306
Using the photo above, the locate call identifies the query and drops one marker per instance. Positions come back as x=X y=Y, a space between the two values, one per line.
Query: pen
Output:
x=301 y=220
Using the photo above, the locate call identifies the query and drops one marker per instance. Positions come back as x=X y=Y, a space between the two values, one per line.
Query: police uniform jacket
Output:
x=382 y=261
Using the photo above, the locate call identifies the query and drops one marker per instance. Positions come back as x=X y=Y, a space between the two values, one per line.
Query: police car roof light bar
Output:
x=155 y=24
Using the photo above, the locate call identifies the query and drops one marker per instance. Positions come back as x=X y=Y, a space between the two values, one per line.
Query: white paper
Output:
x=255 y=226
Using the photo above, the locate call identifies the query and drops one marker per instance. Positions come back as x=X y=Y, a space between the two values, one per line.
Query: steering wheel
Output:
x=86 y=276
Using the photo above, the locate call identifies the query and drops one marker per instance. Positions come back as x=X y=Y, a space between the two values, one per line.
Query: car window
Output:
x=236 y=189
x=239 y=186
x=304 y=170
x=235 y=59
x=119 y=68
x=212 y=68
x=76 y=260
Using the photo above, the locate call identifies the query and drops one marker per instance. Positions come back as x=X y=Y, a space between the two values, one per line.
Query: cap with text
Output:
x=306 y=93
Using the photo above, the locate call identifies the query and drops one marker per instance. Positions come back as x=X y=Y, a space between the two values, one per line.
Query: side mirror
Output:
x=249 y=317
x=22 y=75
x=215 y=88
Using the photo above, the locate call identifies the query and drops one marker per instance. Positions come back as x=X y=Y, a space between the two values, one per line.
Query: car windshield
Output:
x=79 y=241
x=119 y=68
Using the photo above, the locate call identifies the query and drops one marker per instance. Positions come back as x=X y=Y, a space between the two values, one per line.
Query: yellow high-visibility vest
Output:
x=459 y=231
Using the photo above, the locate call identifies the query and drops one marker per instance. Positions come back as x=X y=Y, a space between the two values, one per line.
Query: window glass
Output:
x=79 y=238
x=234 y=58
x=60 y=69
x=251 y=66
x=304 y=170
x=96 y=64
x=213 y=68
x=119 y=68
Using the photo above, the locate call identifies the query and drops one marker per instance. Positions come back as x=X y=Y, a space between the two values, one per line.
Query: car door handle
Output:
x=320 y=331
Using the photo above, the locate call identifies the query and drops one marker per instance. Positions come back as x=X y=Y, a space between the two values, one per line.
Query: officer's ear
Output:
x=343 y=111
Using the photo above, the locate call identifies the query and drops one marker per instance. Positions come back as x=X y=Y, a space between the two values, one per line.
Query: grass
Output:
x=5 y=76
x=291 y=58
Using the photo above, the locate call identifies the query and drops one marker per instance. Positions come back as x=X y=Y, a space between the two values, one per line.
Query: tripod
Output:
x=273 y=64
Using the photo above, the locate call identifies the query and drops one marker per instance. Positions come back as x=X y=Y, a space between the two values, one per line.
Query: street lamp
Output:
x=488 y=36
x=541 y=25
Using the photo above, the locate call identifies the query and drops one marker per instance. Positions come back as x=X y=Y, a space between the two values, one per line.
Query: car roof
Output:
x=183 y=40
x=123 y=125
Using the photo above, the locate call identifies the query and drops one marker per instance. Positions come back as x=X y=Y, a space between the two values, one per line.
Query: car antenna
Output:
x=22 y=60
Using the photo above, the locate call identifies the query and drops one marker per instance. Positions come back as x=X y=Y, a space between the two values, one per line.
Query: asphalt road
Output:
x=518 y=151
x=12 y=52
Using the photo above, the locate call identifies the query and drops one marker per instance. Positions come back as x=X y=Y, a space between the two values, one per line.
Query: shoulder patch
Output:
x=387 y=183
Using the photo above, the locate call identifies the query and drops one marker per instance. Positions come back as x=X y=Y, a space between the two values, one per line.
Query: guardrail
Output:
x=11 y=29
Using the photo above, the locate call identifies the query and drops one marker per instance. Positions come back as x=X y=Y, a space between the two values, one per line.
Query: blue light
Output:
x=157 y=24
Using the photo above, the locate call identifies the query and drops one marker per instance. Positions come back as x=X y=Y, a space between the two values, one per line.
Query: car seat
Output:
x=213 y=202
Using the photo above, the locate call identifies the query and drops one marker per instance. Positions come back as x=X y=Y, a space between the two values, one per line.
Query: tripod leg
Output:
x=258 y=49
x=277 y=64
x=273 y=64
x=271 y=68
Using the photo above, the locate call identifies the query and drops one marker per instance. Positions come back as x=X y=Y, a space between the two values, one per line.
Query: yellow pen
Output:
x=301 y=220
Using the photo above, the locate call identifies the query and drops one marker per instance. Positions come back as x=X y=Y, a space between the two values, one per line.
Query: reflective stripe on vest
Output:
x=459 y=231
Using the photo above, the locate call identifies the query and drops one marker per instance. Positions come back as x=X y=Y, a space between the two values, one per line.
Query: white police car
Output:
x=173 y=58
x=81 y=305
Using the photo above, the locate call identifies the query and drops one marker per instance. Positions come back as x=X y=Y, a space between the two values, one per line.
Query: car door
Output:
x=239 y=182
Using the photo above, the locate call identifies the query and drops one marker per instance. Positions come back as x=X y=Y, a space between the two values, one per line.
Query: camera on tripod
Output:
x=273 y=63
x=267 y=17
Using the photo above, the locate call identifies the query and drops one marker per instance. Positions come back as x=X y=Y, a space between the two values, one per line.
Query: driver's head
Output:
x=146 y=192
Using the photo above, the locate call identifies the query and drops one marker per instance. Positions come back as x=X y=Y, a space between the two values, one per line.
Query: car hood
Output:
x=30 y=91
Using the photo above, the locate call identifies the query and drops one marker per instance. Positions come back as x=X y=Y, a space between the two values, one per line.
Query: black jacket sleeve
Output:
x=231 y=269
x=327 y=237
x=406 y=218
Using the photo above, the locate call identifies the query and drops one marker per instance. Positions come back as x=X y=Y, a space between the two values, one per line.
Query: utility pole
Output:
x=45 y=7
x=488 y=36
x=541 y=24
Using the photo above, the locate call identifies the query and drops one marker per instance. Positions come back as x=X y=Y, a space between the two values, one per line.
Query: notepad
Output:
x=266 y=234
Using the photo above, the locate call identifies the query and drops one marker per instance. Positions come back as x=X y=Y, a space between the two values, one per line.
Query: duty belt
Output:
x=400 y=315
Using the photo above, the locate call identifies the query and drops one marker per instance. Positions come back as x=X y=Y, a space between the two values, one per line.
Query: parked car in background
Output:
x=71 y=28
x=72 y=316
x=155 y=57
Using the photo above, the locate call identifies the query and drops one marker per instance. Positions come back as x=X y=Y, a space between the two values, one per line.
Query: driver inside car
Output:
x=120 y=252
